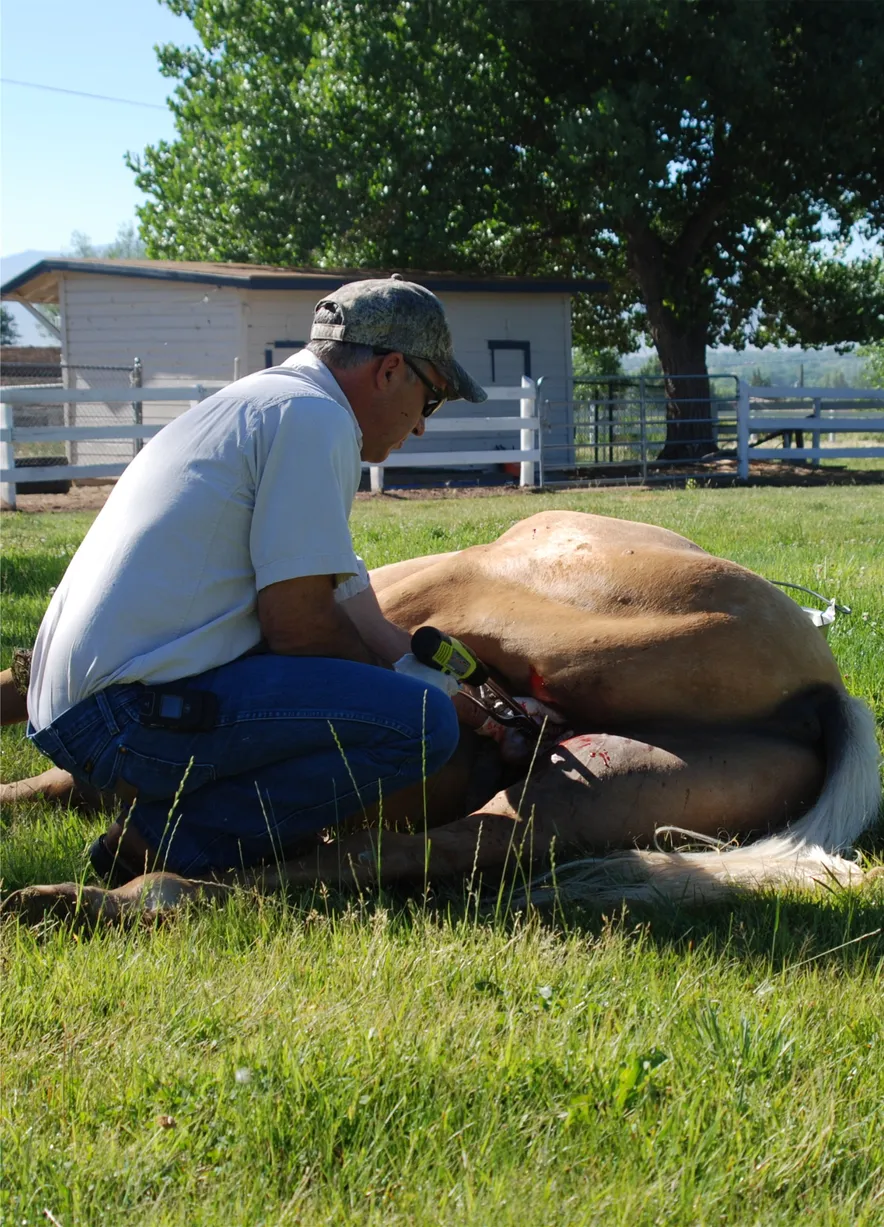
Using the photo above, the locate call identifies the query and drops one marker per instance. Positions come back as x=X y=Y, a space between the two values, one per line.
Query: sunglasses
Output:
x=437 y=397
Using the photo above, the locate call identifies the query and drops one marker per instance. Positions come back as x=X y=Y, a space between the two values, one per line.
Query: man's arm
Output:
x=390 y=642
x=299 y=617
x=383 y=637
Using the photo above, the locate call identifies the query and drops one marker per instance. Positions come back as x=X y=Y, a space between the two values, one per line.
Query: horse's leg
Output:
x=145 y=898
x=591 y=794
x=602 y=791
x=56 y=785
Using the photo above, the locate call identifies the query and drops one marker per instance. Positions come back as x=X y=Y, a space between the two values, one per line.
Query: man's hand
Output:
x=299 y=617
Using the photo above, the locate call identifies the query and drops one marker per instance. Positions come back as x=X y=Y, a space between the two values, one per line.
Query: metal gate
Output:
x=84 y=413
x=615 y=428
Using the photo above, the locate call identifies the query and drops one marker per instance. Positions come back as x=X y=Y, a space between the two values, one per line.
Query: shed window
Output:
x=510 y=360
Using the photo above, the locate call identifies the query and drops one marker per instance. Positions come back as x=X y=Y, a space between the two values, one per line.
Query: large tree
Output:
x=694 y=152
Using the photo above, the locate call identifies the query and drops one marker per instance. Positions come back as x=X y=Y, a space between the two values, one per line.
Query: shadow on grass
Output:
x=839 y=927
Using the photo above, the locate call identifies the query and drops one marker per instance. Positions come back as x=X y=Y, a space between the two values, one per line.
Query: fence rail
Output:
x=620 y=429
x=785 y=411
x=527 y=424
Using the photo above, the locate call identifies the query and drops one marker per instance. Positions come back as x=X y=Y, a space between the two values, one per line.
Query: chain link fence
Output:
x=90 y=413
x=616 y=427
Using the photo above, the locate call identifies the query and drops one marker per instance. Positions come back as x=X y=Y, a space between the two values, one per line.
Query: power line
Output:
x=56 y=89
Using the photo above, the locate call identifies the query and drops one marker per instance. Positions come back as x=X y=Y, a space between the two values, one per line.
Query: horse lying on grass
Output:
x=700 y=699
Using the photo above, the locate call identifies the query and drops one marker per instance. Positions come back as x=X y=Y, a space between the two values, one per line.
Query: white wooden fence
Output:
x=786 y=411
x=527 y=424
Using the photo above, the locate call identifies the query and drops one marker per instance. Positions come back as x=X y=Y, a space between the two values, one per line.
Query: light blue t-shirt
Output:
x=250 y=487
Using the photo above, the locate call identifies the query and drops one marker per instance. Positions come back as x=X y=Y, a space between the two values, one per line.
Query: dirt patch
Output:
x=78 y=498
x=432 y=493
x=716 y=473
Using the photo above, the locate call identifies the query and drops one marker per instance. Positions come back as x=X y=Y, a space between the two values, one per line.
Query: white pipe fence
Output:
x=783 y=410
x=11 y=475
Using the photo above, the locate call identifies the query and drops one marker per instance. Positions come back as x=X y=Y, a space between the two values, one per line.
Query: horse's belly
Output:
x=692 y=669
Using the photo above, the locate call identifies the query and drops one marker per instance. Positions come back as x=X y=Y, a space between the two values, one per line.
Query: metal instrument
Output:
x=443 y=652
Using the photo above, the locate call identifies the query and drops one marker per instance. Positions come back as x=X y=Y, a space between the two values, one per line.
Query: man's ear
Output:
x=389 y=364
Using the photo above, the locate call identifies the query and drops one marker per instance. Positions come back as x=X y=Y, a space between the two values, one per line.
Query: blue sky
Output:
x=61 y=157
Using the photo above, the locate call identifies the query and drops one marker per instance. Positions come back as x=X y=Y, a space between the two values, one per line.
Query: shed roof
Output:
x=39 y=283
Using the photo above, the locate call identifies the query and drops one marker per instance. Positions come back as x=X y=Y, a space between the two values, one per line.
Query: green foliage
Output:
x=651 y=366
x=588 y=362
x=8 y=328
x=127 y=245
x=873 y=369
x=82 y=246
x=691 y=153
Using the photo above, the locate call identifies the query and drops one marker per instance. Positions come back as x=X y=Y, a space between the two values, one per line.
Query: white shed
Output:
x=202 y=322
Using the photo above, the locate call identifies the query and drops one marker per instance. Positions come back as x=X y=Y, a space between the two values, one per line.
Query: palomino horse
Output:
x=699 y=698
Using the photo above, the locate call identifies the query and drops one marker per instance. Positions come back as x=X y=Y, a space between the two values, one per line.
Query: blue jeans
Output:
x=300 y=743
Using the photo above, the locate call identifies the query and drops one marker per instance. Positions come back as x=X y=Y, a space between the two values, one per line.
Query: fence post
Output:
x=376 y=473
x=527 y=438
x=815 y=434
x=136 y=379
x=743 y=431
x=7 y=459
x=643 y=427
x=70 y=414
x=541 y=407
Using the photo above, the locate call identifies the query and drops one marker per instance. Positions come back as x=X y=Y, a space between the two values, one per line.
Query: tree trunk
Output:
x=690 y=428
x=662 y=275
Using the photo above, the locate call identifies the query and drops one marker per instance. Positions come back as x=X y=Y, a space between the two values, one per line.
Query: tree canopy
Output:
x=693 y=152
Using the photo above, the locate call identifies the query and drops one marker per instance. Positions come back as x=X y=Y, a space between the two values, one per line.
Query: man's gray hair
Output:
x=341 y=354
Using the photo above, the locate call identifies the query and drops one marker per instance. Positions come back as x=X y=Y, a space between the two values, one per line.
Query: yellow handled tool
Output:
x=443 y=652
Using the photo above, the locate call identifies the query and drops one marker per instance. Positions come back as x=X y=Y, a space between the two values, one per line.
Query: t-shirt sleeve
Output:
x=306 y=480
x=349 y=585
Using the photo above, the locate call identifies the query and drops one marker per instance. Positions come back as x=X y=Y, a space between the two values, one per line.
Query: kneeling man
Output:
x=215 y=655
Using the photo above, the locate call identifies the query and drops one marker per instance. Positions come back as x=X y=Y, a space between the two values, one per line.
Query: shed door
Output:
x=510 y=360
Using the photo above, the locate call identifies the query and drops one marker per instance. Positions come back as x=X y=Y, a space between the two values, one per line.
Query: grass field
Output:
x=389 y=1060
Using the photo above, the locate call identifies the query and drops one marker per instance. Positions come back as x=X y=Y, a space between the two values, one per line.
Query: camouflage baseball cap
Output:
x=395 y=314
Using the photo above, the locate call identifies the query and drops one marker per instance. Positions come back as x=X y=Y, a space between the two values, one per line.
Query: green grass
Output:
x=385 y=1060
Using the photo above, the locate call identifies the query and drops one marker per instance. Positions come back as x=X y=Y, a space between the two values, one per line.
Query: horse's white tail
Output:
x=804 y=854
